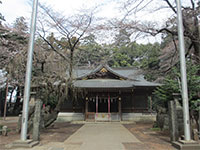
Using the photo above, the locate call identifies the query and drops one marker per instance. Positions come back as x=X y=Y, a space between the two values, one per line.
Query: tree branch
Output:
x=90 y=20
x=52 y=47
x=170 y=5
x=167 y=30
x=193 y=5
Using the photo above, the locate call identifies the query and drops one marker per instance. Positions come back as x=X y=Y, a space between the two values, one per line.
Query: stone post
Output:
x=19 y=123
x=199 y=117
x=5 y=131
x=195 y=135
x=173 y=124
x=36 y=120
x=179 y=113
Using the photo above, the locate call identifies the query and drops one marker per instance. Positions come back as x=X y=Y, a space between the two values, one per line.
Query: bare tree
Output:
x=141 y=28
x=72 y=29
x=54 y=49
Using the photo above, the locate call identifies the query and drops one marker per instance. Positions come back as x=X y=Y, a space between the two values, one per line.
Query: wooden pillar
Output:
x=150 y=103
x=96 y=105
x=132 y=101
x=108 y=103
x=109 y=106
x=86 y=107
x=120 y=108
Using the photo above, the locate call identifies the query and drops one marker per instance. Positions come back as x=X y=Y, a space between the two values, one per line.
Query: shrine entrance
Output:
x=102 y=107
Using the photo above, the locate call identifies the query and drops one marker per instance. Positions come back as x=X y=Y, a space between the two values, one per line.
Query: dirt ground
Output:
x=59 y=132
x=151 y=140
x=12 y=134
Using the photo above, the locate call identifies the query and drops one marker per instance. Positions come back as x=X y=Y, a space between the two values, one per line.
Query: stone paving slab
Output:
x=136 y=146
x=102 y=137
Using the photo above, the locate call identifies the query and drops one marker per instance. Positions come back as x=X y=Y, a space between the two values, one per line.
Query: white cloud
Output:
x=11 y=9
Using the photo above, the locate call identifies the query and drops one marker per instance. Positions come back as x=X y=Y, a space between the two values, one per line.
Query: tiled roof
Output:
x=103 y=83
x=133 y=78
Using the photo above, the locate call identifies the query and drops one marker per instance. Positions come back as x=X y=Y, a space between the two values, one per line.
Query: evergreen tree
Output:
x=122 y=38
x=171 y=84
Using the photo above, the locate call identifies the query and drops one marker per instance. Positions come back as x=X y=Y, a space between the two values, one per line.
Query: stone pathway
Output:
x=105 y=136
x=94 y=136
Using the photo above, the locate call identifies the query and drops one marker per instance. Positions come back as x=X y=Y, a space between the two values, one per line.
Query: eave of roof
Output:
x=103 y=83
x=145 y=84
x=111 y=83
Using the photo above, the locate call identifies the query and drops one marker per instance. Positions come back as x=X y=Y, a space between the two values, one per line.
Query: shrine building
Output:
x=109 y=94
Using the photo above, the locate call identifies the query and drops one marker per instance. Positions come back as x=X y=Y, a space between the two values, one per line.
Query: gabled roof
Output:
x=123 y=78
x=86 y=73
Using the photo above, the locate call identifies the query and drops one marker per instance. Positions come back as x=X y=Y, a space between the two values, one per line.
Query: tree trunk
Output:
x=71 y=64
x=5 y=105
x=197 y=51
x=196 y=40
x=17 y=106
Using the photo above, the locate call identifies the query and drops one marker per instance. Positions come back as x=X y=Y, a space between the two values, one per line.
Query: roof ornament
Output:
x=104 y=70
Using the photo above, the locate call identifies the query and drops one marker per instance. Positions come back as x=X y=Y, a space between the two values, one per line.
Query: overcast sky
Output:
x=11 y=9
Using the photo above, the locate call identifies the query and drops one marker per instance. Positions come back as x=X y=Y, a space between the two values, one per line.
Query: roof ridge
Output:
x=101 y=66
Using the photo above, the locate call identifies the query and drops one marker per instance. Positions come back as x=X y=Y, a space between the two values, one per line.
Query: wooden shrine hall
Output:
x=105 y=93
